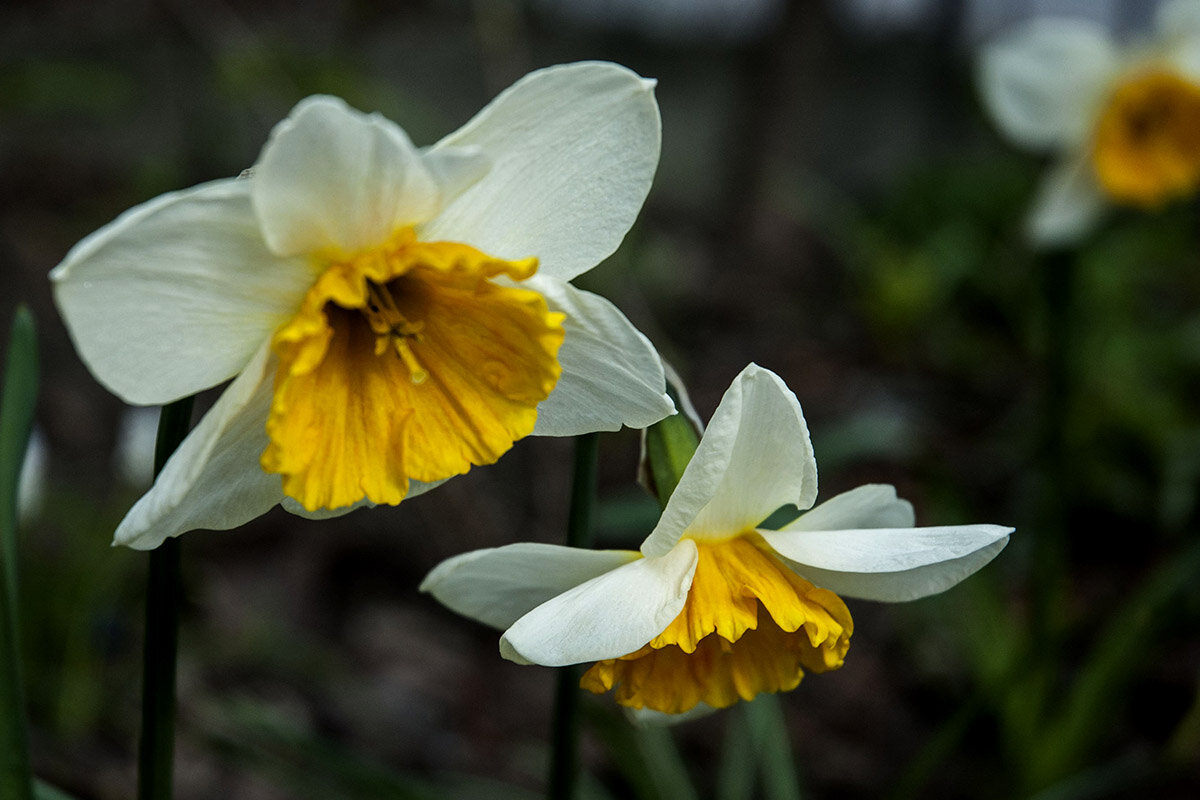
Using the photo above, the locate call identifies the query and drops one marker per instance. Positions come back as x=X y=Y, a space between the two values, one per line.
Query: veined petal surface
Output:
x=498 y=586
x=754 y=457
x=1043 y=83
x=177 y=294
x=606 y=617
x=334 y=180
x=611 y=374
x=573 y=150
x=213 y=480
x=874 y=505
x=889 y=564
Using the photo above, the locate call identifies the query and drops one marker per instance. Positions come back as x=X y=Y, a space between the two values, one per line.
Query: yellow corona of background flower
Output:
x=390 y=316
x=714 y=609
x=1123 y=120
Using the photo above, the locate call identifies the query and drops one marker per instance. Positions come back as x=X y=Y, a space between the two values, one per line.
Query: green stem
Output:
x=583 y=491
x=17 y=401
x=1049 y=540
x=156 y=748
x=564 y=743
x=772 y=744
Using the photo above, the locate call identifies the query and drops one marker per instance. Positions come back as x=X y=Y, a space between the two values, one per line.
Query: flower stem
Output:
x=156 y=748
x=18 y=396
x=564 y=742
x=583 y=491
x=1049 y=541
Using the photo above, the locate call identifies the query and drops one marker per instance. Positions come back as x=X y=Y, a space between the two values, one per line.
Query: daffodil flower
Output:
x=1122 y=120
x=390 y=316
x=713 y=608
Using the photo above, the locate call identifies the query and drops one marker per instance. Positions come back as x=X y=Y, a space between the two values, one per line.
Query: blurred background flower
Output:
x=1121 y=119
x=832 y=203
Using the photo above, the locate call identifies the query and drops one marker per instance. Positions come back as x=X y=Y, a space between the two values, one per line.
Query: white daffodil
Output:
x=680 y=623
x=390 y=316
x=1123 y=120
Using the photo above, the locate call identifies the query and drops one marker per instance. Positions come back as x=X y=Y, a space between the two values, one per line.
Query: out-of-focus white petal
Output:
x=332 y=179
x=1068 y=205
x=1043 y=83
x=136 y=439
x=755 y=456
x=891 y=564
x=1184 y=58
x=499 y=585
x=872 y=506
x=1178 y=18
x=573 y=150
x=213 y=480
x=31 y=484
x=649 y=718
x=611 y=374
x=609 y=616
x=176 y=295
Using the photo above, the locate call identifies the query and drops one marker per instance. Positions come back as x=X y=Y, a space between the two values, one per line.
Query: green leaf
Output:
x=18 y=397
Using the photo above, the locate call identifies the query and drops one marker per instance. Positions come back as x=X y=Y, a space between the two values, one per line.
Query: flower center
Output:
x=392 y=329
x=721 y=648
x=406 y=362
x=1146 y=148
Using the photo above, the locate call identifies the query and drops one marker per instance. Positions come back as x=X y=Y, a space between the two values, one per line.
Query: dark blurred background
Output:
x=832 y=204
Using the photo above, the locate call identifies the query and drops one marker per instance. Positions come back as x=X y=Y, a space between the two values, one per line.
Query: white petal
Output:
x=213 y=480
x=1184 y=58
x=456 y=169
x=609 y=616
x=891 y=564
x=1178 y=18
x=1068 y=205
x=499 y=585
x=176 y=294
x=292 y=506
x=611 y=374
x=872 y=506
x=334 y=179
x=1043 y=83
x=573 y=150
x=755 y=456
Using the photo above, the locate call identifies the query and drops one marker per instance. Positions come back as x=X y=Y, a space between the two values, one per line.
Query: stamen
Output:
x=416 y=372
x=393 y=331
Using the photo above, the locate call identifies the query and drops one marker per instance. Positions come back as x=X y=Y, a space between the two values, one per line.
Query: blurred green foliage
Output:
x=1089 y=360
